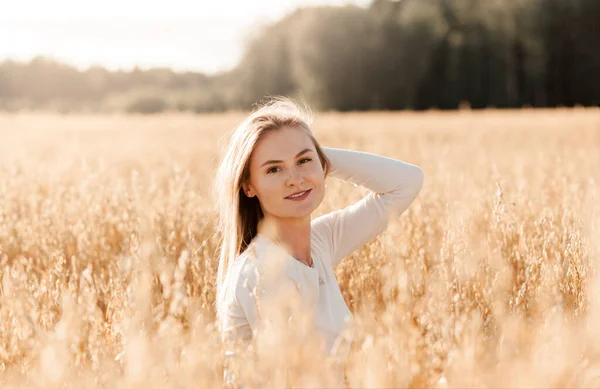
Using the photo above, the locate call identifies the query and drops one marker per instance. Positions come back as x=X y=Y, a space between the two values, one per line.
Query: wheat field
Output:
x=489 y=279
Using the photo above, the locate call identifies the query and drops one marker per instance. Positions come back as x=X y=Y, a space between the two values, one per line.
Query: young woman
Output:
x=269 y=182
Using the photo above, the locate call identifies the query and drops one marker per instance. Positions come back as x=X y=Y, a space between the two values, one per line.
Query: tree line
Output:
x=392 y=55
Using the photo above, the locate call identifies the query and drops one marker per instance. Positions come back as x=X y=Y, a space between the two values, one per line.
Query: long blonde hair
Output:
x=238 y=214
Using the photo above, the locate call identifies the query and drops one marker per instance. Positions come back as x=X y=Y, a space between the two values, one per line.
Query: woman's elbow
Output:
x=417 y=180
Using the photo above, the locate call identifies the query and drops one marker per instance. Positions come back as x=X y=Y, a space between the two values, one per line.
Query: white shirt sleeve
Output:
x=394 y=183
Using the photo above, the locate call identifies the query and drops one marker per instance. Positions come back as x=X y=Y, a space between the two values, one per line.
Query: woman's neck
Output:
x=291 y=234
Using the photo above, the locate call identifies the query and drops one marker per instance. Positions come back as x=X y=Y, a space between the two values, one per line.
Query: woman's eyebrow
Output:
x=279 y=161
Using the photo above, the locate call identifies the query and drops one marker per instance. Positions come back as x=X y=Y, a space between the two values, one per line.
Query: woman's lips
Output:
x=300 y=198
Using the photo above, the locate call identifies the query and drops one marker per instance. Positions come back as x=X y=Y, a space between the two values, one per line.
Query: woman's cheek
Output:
x=272 y=186
x=318 y=177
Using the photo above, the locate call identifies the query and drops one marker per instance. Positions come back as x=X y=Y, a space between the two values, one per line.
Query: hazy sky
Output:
x=200 y=35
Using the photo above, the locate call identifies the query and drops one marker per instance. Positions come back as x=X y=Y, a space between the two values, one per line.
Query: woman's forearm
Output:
x=375 y=172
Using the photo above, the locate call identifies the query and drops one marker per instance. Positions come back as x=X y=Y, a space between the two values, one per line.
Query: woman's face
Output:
x=284 y=163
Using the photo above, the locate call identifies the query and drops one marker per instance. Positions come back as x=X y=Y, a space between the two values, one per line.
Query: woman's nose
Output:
x=295 y=178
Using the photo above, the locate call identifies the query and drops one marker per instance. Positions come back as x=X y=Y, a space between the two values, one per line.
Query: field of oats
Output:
x=489 y=279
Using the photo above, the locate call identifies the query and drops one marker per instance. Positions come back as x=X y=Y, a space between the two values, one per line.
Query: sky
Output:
x=186 y=35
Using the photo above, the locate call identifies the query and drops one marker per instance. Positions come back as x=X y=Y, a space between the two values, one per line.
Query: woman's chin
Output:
x=300 y=212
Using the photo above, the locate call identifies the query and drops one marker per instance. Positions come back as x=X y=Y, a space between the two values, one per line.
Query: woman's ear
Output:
x=247 y=190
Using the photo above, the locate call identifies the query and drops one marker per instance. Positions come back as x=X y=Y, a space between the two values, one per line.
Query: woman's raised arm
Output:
x=394 y=183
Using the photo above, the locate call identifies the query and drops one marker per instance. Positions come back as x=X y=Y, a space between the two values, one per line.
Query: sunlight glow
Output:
x=121 y=34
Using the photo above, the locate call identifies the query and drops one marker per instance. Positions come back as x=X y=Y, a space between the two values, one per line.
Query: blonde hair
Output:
x=238 y=214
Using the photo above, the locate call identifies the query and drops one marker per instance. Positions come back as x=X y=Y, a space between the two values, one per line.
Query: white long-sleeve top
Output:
x=394 y=185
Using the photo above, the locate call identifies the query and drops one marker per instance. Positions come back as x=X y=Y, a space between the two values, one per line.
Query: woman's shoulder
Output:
x=262 y=262
x=248 y=263
x=247 y=275
x=240 y=277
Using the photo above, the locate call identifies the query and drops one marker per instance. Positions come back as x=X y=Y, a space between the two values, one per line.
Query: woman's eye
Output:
x=275 y=169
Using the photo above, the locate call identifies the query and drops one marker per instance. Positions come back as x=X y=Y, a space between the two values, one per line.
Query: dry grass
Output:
x=490 y=279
